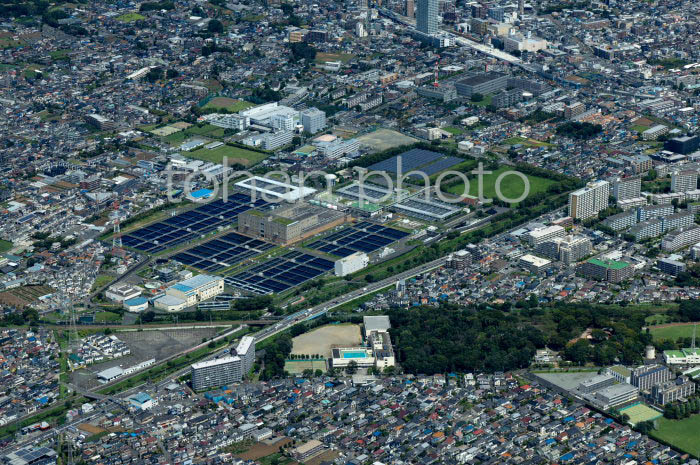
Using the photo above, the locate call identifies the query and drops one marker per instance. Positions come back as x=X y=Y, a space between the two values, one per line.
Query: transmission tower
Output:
x=117 y=236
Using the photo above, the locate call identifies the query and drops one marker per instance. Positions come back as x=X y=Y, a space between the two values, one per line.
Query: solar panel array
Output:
x=280 y=273
x=410 y=160
x=222 y=252
x=190 y=224
x=439 y=165
x=362 y=237
x=368 y=193
x=426 y=161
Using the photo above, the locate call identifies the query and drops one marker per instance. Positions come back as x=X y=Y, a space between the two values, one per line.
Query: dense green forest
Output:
x=482 y=338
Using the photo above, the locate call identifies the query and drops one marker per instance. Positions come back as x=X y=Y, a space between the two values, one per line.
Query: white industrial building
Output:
x=351 y=264
x=189 y=292
x=274 y=190
x=121 y=292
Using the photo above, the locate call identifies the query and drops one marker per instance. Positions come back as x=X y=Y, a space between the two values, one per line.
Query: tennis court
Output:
x=639 y=413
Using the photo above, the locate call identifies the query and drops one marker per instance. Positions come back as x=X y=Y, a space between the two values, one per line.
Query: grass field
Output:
x=511 y=186
x=130 y=17
x=296 y=367
x=640 y=412
x=682 y=434
x=322 y=57
x=101 y=280
x=5 y=245
x=107 y=317
x=454 y=130
x=206 y=130
x=656 y=319
x=485 y=102
x=234 y=154
x=638 y=128
x=671 y=332
x=526 y=142
x=232 y=105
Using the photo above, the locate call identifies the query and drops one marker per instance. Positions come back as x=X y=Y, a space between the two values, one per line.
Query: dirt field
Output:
x=23 y=296
x=326 y=456
x=145 y=345
x=263 y=449
x=384 y=139
x=320 y=340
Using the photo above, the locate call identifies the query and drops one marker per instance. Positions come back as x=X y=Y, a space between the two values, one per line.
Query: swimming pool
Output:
x=354 y=354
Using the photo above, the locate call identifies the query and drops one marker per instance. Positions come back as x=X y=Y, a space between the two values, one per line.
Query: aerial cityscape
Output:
x=366 y=232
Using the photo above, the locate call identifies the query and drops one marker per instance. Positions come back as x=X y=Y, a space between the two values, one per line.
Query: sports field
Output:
x=385 y=139
x=640 y=412
x=320 y=340
x=298 y=366
x=231 y=104
x=672 y=332
x=511 y=186
x=682 y=434
x=234 y=154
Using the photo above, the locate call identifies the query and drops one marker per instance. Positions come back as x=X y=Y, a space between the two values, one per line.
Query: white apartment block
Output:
x=588 y=201
x=538 y=236
x=626 y=188
x=681 y=238
x=684 y=181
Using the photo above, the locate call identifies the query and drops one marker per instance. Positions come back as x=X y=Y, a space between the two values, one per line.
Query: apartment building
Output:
x=647 y=376
x=684 y=181
x=538 y=236
x=588 y=201
x=625 y=188
x=606 y=270
x=680 y=238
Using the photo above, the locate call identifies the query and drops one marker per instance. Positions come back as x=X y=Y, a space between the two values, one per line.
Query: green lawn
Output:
x=511 y=186
x=5 y=245
x=101 y=280
x=231 y=104
x=322 y=57
x=107 y=317
x=682 y=434
x=485 y=102
x=454 y=130
x=130 y=17
x=671 y=332
x=59 y=55
x=526 y=141
x=638 y=128
x=657 y=318
x=206 y=130
x=234 y=154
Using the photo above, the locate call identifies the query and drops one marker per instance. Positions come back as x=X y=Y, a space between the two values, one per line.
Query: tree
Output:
x=215 y=26
x=302 y=50
x=352 y=367
x=477 y=97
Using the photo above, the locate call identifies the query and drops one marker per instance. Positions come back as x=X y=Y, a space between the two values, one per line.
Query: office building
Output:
x=313 y=120
x=484 y=83
x=672 y=267
x=409 y=8
x=459 y=260
x=606 y=270
x=444 y=93
x=189 y=292
x=236 y=122
x=288 y=224
x=351 y=263
x=596 y=383
x=588 y=201
x=615 y=395
x=333 y=147
x=626 y=188
x=121 y=292
x=427 y=16
x=671 y=391
x=684 y=181
x=680 y=238
x=687 y=356
x=270 y=140
x=216 y=373
x=644 y=377
x=683 y=145
x=307 y=450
